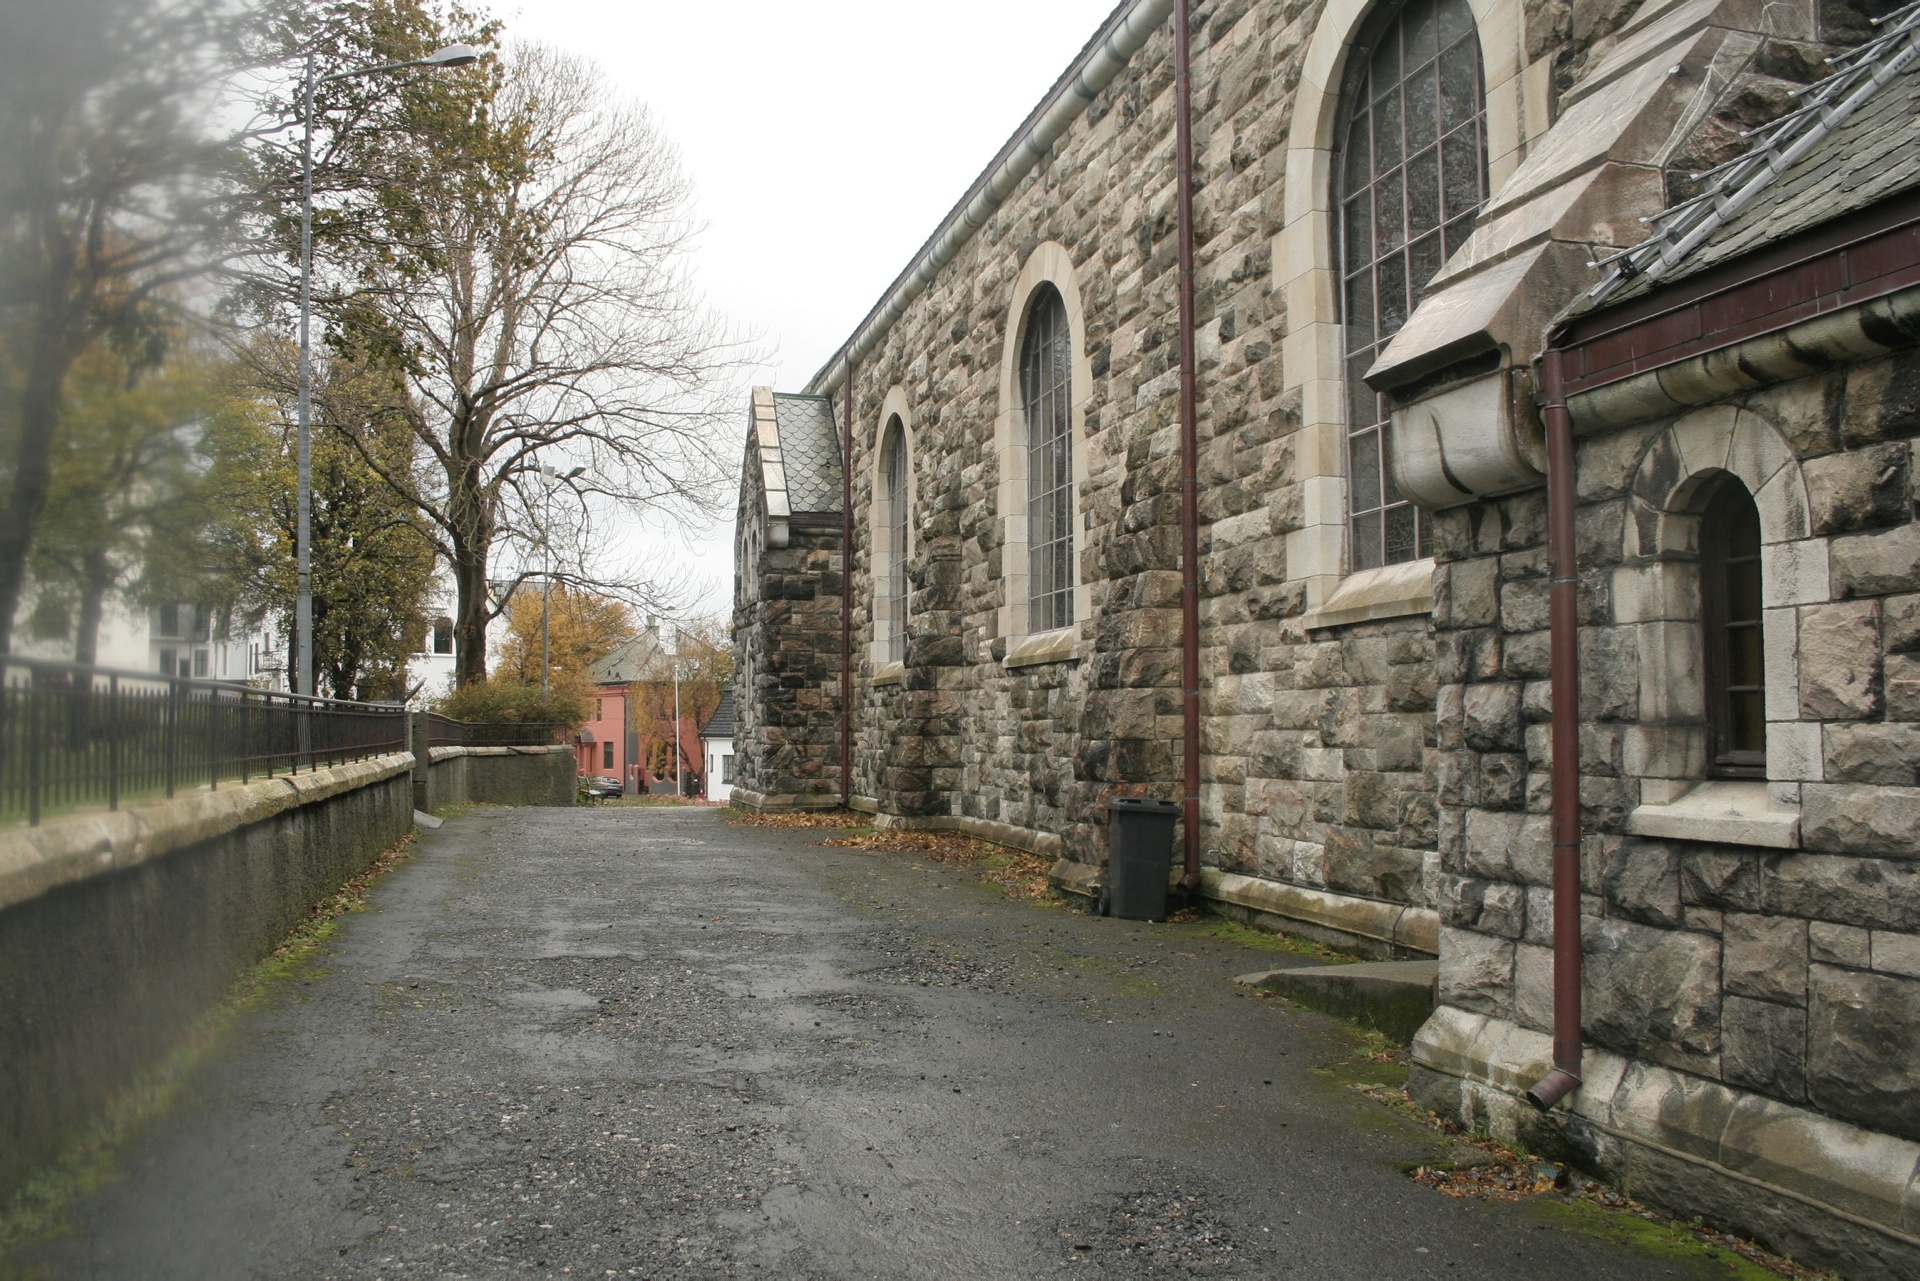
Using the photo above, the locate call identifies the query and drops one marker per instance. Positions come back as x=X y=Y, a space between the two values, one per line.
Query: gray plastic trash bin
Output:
x=1139 y=856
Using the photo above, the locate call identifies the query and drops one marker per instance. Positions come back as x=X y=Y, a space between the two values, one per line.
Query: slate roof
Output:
x=720 y=724
x=1875 y=153
x=810 y=451
x=630 y=660
x=1850 y=144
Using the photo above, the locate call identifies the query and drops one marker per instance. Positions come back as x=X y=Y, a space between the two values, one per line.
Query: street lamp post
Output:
x=679 y=790
x=453 y=55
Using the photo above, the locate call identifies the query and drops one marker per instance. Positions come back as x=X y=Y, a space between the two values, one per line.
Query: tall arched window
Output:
x=1045 y=358
x=1412 y=173
x=893 y=569
x=1731 y=629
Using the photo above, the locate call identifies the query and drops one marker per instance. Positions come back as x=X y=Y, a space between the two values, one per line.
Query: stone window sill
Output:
x=1055 y=646
x=1392 y=591
x=890 y=674
x=1727 y=813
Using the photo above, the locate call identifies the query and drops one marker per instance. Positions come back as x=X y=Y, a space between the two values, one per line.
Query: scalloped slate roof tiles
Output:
x=810 y=452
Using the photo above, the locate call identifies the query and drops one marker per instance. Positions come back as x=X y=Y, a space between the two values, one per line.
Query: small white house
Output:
x=716 y=740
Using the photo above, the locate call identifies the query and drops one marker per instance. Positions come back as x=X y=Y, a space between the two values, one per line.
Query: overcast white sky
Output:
x=825 y=141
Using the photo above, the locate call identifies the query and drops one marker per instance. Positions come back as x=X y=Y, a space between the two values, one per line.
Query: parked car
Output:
x=601 y=786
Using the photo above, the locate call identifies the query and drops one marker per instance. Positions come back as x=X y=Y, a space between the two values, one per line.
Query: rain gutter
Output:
x=1189 y=460
x=1563 y=622
x=846 y=598
x=1125 y=32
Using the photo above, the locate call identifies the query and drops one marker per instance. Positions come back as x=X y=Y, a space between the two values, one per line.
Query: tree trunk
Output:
x=470 y=615
x=470 y=512
x=96 y=576
x=40 y=398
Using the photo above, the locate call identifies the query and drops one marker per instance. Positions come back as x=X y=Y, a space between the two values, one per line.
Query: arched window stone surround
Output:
x=1048 y=264
x=1306 y=272
x=887 y=670
x=1656 y=593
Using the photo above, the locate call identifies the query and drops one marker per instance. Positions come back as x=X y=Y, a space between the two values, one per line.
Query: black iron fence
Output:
x=73 y=736
x=444 y=731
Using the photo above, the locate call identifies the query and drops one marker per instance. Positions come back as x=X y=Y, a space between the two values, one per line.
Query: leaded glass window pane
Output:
x=1731 y=627
x=894 y=469
x=1045 y=356
x=1413 y=161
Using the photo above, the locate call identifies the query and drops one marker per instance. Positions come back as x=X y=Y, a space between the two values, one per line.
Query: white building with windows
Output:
x=716 y=739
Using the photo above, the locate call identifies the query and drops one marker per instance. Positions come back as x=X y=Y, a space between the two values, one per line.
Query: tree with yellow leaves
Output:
x=581 y=628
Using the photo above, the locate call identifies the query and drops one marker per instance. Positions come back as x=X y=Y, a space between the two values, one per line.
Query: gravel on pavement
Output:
x=647 y=1042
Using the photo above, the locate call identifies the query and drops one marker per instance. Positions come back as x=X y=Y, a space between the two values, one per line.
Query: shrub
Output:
x=495 y=701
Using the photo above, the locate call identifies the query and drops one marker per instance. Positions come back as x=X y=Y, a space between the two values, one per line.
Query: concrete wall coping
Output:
x=1400 y=924
x=437 y=754
x=777 y=803
x=73 y=847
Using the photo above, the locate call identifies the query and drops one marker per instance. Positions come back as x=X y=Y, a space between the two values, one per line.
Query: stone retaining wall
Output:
x=119 y=931
x=496 y=776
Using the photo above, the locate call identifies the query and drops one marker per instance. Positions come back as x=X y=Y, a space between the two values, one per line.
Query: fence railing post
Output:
x=171 y=715
x=113 y=742
x=34 y=748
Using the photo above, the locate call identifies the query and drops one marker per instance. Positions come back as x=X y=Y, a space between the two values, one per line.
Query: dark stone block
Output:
x=1656 y=991
x=1764 y=1047
x=1861 y=1062
x=1643 y=882
x=1721 y=879
x=1860 y=489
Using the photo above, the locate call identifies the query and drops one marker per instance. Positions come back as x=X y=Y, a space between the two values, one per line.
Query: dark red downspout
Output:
x=1189 y=456
x=846 y=602
x=1564 y=633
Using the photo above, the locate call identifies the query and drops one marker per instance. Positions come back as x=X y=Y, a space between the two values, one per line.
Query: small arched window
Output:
x=1410 y=164
x=1045 y=359
x=1731 y=628
x=893 y=533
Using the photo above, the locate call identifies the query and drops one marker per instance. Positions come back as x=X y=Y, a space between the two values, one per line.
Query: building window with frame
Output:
x=1046 y=357
x=894 y=464
x=443 y=636
x=606 y=755
x=1730 y=626
x=1411 y=168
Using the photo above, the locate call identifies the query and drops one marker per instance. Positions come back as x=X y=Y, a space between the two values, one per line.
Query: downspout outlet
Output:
x=1551 y=1088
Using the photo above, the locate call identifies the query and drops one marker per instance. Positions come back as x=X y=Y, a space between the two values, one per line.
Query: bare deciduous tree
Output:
x=518 y=251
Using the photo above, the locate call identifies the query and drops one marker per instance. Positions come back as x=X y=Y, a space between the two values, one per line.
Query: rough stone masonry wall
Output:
x=787 y=643
x=1726 y=979
x=1319 y=753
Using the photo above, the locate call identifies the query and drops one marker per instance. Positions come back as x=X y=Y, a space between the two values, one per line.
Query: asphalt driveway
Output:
x=647 y=1042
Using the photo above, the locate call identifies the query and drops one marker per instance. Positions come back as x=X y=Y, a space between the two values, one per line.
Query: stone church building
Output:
x=1505 y=534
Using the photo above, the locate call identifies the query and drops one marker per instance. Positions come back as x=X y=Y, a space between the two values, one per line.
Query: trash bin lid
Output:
x=1142 y=805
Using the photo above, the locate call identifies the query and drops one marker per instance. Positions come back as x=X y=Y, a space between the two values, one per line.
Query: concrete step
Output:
x=1392 y=997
